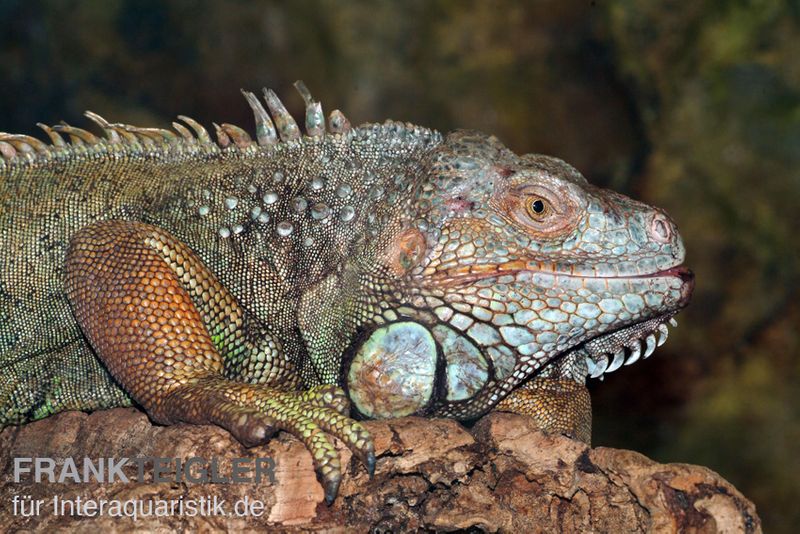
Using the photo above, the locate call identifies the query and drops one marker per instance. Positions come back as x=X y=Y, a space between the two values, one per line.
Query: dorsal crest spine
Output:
x=278 y=128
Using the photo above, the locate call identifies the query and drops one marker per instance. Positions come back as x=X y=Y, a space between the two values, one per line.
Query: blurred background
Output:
x=691 y=106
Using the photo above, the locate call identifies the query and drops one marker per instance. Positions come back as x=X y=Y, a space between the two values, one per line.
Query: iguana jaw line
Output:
x=473 y=273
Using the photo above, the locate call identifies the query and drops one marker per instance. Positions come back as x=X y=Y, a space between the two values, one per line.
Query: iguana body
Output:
x=240 y=282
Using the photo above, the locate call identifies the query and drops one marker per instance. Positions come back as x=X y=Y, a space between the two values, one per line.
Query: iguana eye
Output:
x=538 y=208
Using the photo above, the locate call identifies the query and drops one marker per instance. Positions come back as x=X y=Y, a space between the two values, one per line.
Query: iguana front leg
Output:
x=183 y=348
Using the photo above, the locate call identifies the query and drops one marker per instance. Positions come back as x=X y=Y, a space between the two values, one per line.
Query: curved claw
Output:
x=350 y=432
x=313 y=417
x=331 y=490
x=371 y=460
x=323 y=453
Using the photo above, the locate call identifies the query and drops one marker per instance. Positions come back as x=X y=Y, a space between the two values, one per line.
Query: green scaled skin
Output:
x=295 y=280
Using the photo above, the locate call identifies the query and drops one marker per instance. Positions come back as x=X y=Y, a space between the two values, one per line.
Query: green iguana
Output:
x=298 y=280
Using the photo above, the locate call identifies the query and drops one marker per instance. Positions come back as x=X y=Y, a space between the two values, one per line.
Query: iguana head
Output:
x=509 y=266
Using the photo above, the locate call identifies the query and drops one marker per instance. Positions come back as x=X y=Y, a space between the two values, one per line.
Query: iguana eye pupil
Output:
x=537 y=207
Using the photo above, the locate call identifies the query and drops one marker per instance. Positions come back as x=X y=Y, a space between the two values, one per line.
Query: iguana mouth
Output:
x=472 y=273
x=605 y=352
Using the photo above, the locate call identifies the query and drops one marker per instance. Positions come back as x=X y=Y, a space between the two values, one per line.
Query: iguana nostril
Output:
x=661 y=229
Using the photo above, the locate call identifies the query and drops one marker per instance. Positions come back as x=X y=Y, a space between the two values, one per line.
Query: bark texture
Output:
x=502 y=475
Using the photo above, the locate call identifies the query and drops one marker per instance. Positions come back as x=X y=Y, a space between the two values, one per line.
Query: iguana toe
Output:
x=328 y=396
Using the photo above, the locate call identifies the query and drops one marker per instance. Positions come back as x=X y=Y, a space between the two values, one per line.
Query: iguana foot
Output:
x=181 y=346
x=252 y=413
x=557 y=405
